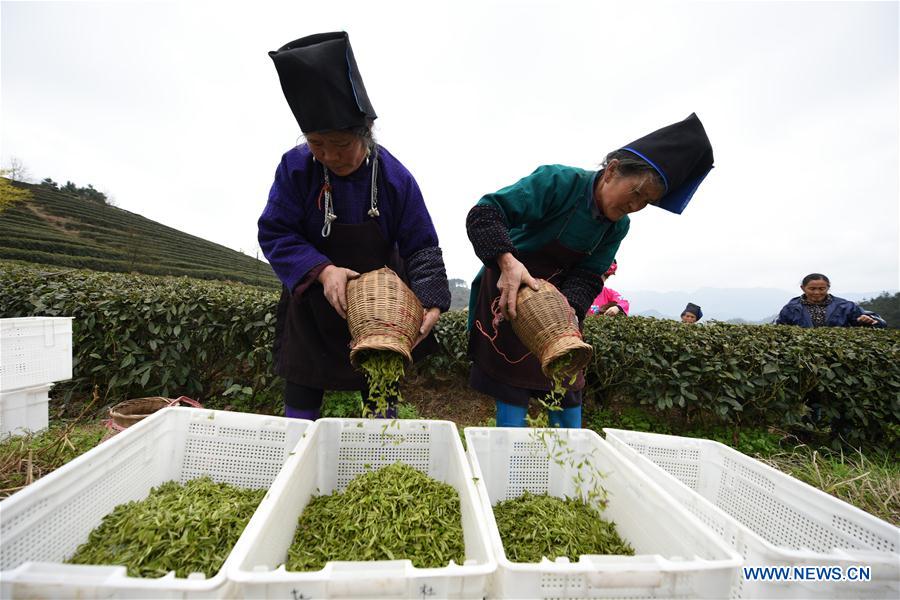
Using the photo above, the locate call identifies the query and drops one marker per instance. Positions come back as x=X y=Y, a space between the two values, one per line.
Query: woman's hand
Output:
x=334 y=282
x=513 y=275
x=866 y=320
x=430 y=318
x=611 y=311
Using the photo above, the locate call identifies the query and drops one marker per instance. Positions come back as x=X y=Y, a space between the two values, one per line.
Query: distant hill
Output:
x=459 y=294
x=651 y=313
x=736 y=320
x=59 y=228
x=887 y=306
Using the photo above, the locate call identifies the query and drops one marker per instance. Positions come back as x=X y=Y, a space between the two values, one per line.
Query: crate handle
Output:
x=605 y=575
x=351 y=569
x=389 y=577
x=63 y=574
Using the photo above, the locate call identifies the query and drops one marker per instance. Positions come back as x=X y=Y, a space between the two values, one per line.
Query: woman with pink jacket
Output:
x=608 y=302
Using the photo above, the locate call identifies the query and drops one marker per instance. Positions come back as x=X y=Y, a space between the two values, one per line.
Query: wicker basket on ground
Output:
x=382 y=313
x=127 y=413
x=544 y=324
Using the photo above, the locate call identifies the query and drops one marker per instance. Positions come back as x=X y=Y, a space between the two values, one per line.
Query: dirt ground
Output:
x=451 y=400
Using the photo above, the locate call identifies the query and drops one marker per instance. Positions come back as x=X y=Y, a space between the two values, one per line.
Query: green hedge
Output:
x=138 y=335
x=760 y=374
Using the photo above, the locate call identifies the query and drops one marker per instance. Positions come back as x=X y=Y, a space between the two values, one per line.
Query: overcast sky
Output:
x=174 y=109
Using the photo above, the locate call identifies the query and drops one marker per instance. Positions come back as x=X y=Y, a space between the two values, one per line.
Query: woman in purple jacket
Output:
x=817 y=308
x=340 y=205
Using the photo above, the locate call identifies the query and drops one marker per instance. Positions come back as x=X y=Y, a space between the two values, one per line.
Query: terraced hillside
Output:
x=57 y=228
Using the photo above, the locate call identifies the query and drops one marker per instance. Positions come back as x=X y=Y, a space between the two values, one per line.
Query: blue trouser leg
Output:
x=570 y=418
x=300 y=413
x=510 y=415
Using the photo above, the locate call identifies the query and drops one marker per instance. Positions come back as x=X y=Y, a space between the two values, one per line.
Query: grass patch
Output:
x=342 y=405
x=348 y=405
x=25 y=459
x=407 y=411
x=870 y=482
x=749 y=440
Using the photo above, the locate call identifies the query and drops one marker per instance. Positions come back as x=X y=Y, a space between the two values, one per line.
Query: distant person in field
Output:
x=609 y=302
x=340 y=205
x=564 y=224
x=816 y=307
x=691 y=313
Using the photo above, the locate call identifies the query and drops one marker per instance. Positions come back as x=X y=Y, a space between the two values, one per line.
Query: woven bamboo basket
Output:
x=544 y=324
x=382 y=313
x=127 y=413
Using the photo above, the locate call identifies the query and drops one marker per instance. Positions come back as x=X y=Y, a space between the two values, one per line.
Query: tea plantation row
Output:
x=53 y=227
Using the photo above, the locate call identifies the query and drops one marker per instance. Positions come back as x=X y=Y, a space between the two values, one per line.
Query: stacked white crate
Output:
x=35 y=352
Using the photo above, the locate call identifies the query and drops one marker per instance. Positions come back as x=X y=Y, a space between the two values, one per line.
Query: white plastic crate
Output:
x=43 y=524
x=335 y=452
x=675 y=555
x=34 y=351
x=769 y=517
x=25 y=410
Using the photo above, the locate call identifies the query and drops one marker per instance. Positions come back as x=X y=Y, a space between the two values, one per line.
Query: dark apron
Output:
x=312 y=341
x=516 y=367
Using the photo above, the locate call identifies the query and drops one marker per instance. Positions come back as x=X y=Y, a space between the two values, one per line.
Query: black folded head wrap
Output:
x=322 y=84
x=682 y=154
x=693 y=309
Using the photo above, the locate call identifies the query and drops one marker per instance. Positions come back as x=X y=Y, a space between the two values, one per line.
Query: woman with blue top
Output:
x=565 y=224
x=817 y=308
x=340 y=205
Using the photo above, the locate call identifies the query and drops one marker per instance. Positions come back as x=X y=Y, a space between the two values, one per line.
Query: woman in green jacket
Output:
x=565 y=224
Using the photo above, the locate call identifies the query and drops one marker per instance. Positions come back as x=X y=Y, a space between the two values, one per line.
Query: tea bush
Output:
x=847 y=378
x=138 y=335
x=452 y=335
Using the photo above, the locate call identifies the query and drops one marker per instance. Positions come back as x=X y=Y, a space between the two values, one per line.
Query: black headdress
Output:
x=693 y=309
x=322 y=84
x=682 y=154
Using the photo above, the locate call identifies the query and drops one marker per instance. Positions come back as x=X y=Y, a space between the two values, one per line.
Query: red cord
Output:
x=325 y=188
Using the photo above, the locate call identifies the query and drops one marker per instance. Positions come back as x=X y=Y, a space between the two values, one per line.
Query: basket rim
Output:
x=381 y=342
x=581 y=353
x=116 y=410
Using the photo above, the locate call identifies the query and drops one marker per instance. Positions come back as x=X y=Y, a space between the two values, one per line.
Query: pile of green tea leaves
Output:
x=537 y=525
x=383 y=370
x=186 y=528
x=393 y=513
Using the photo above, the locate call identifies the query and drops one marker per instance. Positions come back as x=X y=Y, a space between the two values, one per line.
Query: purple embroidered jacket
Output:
x=291 y=224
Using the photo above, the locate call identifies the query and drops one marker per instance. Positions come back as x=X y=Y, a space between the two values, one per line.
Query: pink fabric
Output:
x=608 y=295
